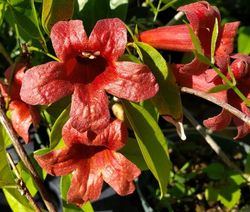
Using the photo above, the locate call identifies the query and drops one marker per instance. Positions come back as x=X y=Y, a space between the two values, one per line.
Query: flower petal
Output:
x=113 y=137
x=68 y=38
x=131 y=81
x=86 y=184
x=201 y=14
x=242 y=127
x=21 y=119
x=226 y=44
x=89 y=108
x=61 y=162
x=44 y=84
x=175 y=38
x=219 y=122
x=109 y=36
x=118 y=172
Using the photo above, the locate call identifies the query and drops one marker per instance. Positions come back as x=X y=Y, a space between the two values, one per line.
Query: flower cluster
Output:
x=89 y=68
x=197 y=75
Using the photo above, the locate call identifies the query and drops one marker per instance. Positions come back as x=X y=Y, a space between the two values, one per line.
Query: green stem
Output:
x=156 y=12
x=235 y=89
x=32 y=48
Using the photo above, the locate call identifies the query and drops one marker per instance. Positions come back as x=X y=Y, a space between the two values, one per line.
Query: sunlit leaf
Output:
x=195 y=40
x=218 y=88
x=244 y=40
x=214 y=39
x=16 y=201
x=151 y=141
x=6 y=176
x=56 y=10
x=167 y=100
x=2 y=12
x=56 y=131
x=132 y=152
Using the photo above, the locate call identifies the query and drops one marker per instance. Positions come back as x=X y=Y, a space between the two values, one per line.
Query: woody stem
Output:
x=22 y=185
x=214 y=100
x=26 y=161
x=214 y=145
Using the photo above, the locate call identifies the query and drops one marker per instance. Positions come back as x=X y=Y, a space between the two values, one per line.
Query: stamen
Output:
x=89 y=55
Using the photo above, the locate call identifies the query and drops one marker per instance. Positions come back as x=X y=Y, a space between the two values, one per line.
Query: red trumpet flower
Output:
x=88 y=68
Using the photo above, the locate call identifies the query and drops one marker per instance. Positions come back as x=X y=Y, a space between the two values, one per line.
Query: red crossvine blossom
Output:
x=201 y=16
x=241 y=70
x=88 y=68
x=92 y=161
x=22 y=114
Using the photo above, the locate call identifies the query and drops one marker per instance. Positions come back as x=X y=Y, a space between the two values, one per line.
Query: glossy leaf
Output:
x=214 y=39
x=91 y=11
x=167 y=100
x=6 y=176
x=56 y=10
x=151 y=141
x=218 y=88
x=195 y=40
x=64 y=186
x=24 y=13
x=132 y=152
x=2 y=11
x=56 y=131
x=16 y=201
x=244 y=40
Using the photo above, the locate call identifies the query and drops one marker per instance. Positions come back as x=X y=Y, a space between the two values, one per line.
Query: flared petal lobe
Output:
x=131 y=81
x=45 y=84
x=109 y=36
x=219 y=122
x=89 y=109
x=118 y=172
x=60 y=162
x=201 y=14
x=68 y=38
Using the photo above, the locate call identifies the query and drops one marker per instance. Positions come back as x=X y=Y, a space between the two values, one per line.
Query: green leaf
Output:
x=244 y=40
x=91 y=11
x=56 y=131
x=149 y=106
x=218 y=88
x=2 y=12
x=214 y=39
x=16 y=201
x=215 y=171
x=132 y=152
x=247 y=165
x=151 y=141
x=167 y=100
x=24 y=15
x=56 y=10
x=230 y=195
x=211 y=194
x=6 y=176
x=64 y=186
x=231 y=74
x=195 y=40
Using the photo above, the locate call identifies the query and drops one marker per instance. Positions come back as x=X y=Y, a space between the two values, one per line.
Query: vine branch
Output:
x=22 y=185
x=25 y=159
x=214 y=145
x=214 y=100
